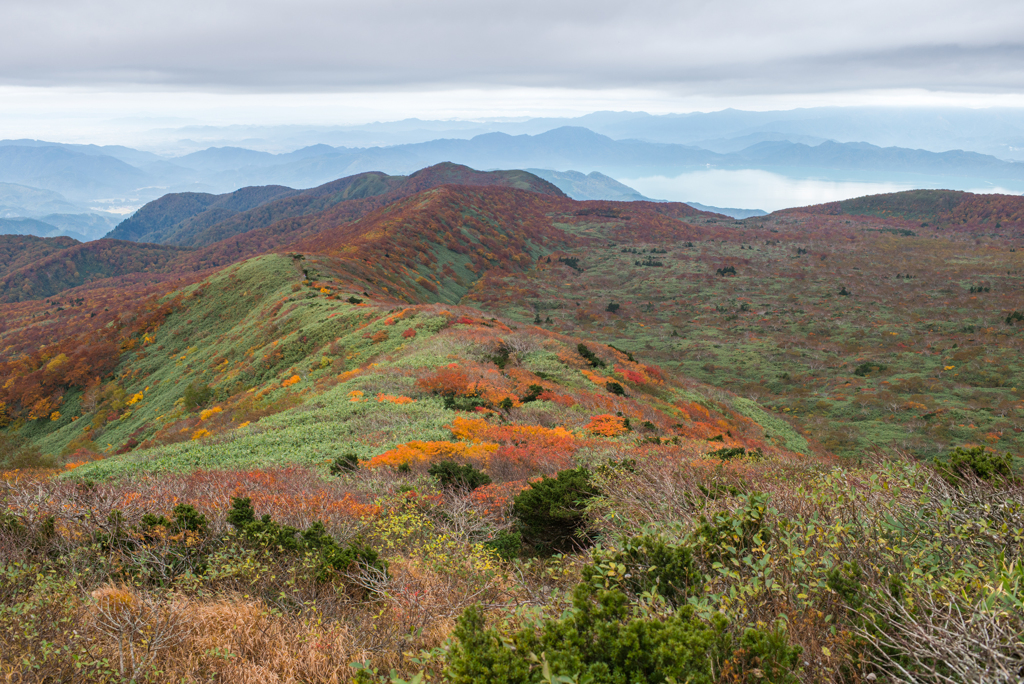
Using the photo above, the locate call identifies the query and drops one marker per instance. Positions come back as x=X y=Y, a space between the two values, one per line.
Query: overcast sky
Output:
x=331 y=61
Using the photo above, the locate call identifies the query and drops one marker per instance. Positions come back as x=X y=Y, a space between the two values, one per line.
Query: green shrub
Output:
x=185 y=518
x=615 y=388
x=506 y=544
x=534 y=392
x=729 y=534
x=197 y=394
x=458 y=403
x=727 y=453
x=590 y=356
x=500 y=358
x=847 y=581
x=332 y=556
x=602 y=639
x=648 y=564
x=19 y=453
x=552 y=511
x=866 y=369
x=346 y=463
x=452 y=475
x=975 y=461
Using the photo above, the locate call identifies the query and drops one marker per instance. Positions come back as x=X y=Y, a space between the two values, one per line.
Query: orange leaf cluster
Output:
x=606 y=425
x=493 y=498
x=449 y=380
x=290 y=381
x=638 y=373
x=454 y=380
x=695 y=411
x=417 y=452
x=523 y=448
x=348 y=375
x=393 y=399
x=479 y=430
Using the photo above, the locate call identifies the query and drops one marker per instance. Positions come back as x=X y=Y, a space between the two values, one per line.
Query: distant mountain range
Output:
x=90 y=175
x=995 y=131
x=80 y=190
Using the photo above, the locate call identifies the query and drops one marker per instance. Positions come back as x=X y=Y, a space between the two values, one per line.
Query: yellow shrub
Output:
x=209 y=412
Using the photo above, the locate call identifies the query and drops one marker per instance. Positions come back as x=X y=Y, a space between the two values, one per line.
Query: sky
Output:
x=76 y=70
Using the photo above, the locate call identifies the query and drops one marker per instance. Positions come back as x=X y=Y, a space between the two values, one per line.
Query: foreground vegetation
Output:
x=708 y=570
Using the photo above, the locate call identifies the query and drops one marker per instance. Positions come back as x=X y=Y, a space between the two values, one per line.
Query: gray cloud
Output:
x=744 y=46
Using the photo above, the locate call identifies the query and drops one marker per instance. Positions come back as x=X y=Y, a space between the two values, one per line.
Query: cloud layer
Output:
x=683 y=48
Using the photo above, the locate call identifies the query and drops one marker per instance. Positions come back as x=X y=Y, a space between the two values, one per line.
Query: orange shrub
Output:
x=566 y=400
x=695 y=411
x=348 y=375
x=630 y=375
x=393 y=399
x=493 y=498
x=417 y=452
x=607 y=425
x=450 y=380
x=291 y=381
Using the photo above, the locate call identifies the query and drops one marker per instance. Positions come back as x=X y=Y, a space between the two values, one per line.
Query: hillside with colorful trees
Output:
x=83 y=263
x=479 y=432
x=19 y=250
x=964 y=212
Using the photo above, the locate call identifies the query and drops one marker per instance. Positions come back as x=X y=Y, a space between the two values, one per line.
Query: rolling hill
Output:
x=325 y=445
x=192 y=219
x=962 y=212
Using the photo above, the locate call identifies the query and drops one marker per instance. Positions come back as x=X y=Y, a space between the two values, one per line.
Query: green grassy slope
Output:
x=275 y=362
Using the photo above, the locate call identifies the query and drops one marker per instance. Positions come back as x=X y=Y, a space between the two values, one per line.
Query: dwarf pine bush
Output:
x=604 y=638
x=452 y=475
x=552 y=511
x=332 y=556
x=976 y=462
